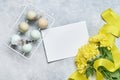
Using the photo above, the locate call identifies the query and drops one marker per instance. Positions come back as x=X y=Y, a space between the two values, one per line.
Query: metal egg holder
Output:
x=23 y=41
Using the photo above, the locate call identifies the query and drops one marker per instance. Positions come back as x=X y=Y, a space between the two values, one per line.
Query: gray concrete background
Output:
x=14 y=67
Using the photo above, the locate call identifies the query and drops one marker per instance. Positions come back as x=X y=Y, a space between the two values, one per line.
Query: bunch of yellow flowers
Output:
x=85 y=53
x=90 y=51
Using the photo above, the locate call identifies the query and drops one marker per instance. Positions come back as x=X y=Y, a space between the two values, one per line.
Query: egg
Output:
x=26 y=48
x=35 y=34
x=43 y=23
x=23 y=27
x=31 y=15
x=15 y=39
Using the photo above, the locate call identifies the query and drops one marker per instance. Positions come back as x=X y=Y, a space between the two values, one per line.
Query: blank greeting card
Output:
x=64 y=41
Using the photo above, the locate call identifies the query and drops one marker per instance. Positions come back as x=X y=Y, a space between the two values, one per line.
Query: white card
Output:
x=63 y=42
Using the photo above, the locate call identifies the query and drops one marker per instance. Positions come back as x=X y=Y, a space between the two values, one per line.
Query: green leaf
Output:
x=90 y=71
x=105 y=53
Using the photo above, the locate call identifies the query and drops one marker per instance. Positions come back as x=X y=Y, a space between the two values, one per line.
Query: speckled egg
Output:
x=43 y=23
x=15 y=39
x=31 y=15
x=35 y=34
x=23 y=27
x=27 y=48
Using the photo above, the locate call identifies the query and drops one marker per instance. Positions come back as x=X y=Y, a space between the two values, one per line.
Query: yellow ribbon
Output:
x=77 y=76
x=111 y=27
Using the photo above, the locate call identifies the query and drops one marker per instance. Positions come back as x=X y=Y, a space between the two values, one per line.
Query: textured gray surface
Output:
x=14 y=67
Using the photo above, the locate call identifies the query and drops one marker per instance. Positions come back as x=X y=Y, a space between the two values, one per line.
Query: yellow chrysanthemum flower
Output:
x=85 y=53
x=104 y=40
